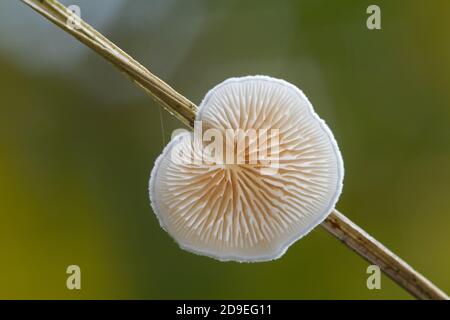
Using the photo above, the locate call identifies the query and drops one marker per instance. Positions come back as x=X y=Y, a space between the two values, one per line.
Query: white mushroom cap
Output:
x=235 y=211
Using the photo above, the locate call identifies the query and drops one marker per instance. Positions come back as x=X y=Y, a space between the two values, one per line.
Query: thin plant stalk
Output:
x=184 y=110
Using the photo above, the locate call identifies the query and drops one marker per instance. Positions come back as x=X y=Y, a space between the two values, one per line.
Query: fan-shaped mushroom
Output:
x=236 y=211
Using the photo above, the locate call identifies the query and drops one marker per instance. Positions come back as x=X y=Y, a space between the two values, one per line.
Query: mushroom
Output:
x=248 y=211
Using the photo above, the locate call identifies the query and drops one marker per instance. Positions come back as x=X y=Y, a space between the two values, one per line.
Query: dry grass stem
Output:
x=182 y=108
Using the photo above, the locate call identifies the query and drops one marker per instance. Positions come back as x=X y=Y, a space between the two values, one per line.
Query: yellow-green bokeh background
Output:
x=78 y=141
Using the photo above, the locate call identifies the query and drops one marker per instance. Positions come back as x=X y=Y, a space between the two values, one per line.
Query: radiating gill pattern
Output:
x=232 y=209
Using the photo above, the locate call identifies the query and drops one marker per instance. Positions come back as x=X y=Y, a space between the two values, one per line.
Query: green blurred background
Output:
x=78 y=141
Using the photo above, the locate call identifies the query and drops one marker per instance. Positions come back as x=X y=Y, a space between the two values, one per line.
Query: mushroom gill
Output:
x=253 y=209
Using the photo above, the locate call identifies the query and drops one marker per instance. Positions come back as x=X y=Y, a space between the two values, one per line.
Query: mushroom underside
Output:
x=271 y=194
